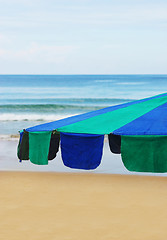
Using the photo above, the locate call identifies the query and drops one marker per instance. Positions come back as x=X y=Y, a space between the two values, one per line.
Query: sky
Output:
x=83 y=37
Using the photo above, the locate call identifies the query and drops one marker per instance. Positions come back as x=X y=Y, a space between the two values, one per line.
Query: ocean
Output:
x=28 y=100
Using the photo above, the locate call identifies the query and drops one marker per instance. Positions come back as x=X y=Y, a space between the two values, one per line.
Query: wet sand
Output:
x=110 y=163
x=82 y=206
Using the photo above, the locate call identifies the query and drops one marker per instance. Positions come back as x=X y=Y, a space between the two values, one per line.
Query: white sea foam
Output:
x=131 y=83
x=9 y=137
x=5 y=117
x=104 y=81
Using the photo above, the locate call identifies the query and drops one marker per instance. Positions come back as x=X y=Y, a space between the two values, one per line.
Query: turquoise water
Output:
x=27 y=100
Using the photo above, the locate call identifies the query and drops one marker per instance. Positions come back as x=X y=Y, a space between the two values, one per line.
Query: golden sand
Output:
x=49 y=206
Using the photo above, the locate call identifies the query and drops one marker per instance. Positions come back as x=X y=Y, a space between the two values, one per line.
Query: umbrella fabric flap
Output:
x=114 y=143
x=81 y=151
x=54 y=145
x=144 y=153
x=23 y=146
x=19 y=145
x=39 y=143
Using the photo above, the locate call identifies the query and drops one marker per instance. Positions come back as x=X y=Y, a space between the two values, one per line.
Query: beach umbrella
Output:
x=137 y=130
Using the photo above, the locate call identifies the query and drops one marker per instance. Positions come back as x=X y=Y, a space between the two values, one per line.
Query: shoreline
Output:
x=10 y=162
x=110 y=163
x=9 y=137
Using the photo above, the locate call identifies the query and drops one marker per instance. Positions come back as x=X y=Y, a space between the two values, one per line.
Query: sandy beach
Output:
x=82 y=206
x=56 y=202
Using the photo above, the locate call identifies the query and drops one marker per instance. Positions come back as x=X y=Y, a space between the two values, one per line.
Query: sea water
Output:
x=28 y=100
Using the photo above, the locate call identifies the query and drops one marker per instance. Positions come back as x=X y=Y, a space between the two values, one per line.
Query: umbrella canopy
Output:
x=140 y=125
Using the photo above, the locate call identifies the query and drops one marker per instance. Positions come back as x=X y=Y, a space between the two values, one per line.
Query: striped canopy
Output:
x=140 y=125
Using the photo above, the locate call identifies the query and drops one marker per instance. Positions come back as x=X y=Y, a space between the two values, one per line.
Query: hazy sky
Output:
x=83 y=36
